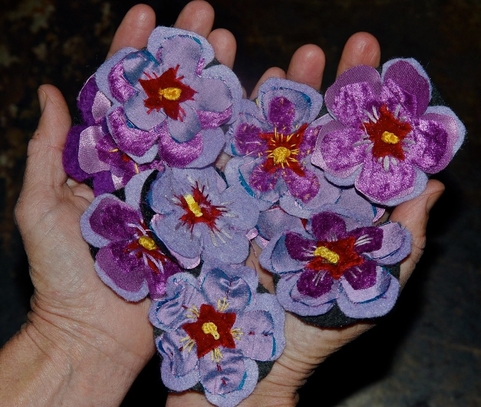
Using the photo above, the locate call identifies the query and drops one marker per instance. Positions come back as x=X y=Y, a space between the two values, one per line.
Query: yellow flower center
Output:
x=280 y=155
x=170 y=93
x=389 y=138
x=325 y=253
x=147 y=243
x=193 y=205
x=210 y=328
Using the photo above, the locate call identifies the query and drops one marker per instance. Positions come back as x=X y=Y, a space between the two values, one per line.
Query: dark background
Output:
x=427 y=353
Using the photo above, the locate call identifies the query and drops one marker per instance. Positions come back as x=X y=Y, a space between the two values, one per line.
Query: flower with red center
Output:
x=172 y=92
x=272 y=142
x=198 y=216
x=213 y=330
x=167 y=92
x=336 y=260
x=127 y=257
x=383 y=135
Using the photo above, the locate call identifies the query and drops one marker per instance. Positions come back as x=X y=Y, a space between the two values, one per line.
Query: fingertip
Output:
x=196 y=16
x=225 y=46
x=362 y=48
x=307 y=66
x=54 y=109
x=134 y=30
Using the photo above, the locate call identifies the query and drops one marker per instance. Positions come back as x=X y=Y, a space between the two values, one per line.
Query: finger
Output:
x=134 y=30
x=414 y=215
x=196 y=16
x=225 y=46
x=44 y=156
x=273 y=72
x=361 y=48
x=307 y=66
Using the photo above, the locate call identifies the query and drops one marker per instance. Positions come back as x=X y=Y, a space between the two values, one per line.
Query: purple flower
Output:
x=128 y=260
x=91 y=154
x=384 y=137
x=197 y=215
x=338 y=260
x=273 y=139
x=166 y=94
x=215 y=328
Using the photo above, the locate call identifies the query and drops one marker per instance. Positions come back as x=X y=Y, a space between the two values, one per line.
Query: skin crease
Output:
x=83 y=345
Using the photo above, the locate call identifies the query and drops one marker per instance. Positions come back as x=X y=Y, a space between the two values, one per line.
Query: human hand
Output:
x=95 y=339
x=308 y=346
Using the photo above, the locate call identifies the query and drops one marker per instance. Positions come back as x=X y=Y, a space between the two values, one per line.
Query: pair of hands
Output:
x=96 y=338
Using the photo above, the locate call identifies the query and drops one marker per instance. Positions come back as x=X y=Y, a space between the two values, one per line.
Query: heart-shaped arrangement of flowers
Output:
x=190 y=178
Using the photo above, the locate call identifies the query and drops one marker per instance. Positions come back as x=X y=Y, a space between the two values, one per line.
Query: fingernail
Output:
x=42 y=99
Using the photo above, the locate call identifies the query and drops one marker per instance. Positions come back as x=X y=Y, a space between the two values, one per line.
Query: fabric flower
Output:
x=129 y=259
x=337 y=261
x=214 y=329
x=384 y=137
x=91 y=154
x=199 y=216
x=168 y=98
x=272 y=142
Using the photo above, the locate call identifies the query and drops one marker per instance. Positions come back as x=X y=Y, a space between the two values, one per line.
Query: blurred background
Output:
x=427 y=352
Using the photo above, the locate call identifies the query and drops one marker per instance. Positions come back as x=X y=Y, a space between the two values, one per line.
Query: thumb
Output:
x=44 y=174
x=44 y=156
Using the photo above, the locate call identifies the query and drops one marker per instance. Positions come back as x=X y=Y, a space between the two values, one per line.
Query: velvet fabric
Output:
x=383 y=136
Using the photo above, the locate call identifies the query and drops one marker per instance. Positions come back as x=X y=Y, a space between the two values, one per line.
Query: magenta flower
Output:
x=384 y=137
x=129 y=259
x=214 y=329
x=272 y=142
x=336 y=260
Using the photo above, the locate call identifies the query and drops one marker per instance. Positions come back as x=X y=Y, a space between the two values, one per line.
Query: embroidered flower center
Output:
x=335 y=257
x=198 y=209
x=167 y=92
x=144 y=247
x=326 y=254
x=283 y=150
x=386 y=131
x=213 y=329
x=147 y=243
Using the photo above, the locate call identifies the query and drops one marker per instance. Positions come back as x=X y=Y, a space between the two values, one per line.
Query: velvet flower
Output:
x=384 y=136
x=127 y=257
x=336 y=260
x=90 y=152
x=213 y=331
x=272 y=142
x=169 y=99
x=199 y=216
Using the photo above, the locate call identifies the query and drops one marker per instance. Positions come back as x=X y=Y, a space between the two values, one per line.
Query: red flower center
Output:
x=211 y=330
x=387 y=133
x=283 y=150
x=167 y=92
x=199 y=209
x=144 y=246
x=335 y=257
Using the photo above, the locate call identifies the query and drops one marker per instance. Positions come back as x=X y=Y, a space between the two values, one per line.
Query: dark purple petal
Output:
x=327 y=226
x=362 y=276
x=305 y=187
x=314 y=283
x=298 y=247
x=281 y=113
x=368 y=239
x=114 y=220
